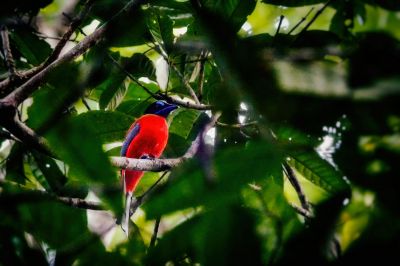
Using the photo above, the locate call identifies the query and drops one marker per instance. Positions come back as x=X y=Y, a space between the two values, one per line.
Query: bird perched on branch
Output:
x=146 y=139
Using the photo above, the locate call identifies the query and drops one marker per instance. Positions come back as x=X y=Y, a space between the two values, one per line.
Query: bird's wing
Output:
x=131 y=135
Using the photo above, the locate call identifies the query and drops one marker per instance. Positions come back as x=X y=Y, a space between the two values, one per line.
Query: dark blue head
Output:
x=160 y=108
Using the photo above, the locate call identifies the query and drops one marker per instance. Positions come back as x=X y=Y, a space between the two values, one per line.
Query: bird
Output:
x=146 y=138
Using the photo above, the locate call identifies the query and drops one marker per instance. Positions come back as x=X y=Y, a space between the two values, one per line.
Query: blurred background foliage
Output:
x=307 y=89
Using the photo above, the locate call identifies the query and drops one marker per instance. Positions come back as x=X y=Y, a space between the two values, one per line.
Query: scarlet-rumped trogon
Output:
x=146 y=139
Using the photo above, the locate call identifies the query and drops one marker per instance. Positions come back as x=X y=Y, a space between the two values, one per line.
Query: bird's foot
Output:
x=147 y=157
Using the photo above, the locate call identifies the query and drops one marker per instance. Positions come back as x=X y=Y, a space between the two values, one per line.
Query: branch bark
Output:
x=28 y=195
x=26 y=89
x=297 y=187
x=25 y=75
x=7 y=54
x=158 y=165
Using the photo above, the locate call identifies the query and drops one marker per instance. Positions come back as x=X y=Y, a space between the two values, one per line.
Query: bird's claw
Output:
x=147 y=157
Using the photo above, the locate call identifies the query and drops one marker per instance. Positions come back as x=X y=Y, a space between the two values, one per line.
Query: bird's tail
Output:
x=130 y=178
x=126 y=215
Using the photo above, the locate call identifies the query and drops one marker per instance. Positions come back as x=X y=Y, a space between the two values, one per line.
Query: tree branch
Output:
x=301 y=21
x=29 y=195
x=26 y=89
x=202 y=62
x=158 y=165
x=7 y=53
x=155 y=232
x=154 y=165
x=319 y=12
x=23 y=92
x=75 y=22
x=25 y=75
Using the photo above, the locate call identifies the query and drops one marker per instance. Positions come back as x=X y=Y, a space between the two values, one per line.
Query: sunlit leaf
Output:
x=318 y=171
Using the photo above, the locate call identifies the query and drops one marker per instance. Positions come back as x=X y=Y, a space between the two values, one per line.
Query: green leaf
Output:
x=387 y=4
x=293 y=3
x=51 y=171
x=137 y=99
x=105 y=125
x=22 y=7
x=15 y=164
x=219 y=236
x=46 y=222
x=211 y=239
x=128 y=28
x=139 y=65
x=236 y=11
x=113 y=91
x=81 y=150
x=30 y=46
x=183 y=130
x=291 y=136
x=182 y=238
x=15 y=249
x=234 y=168
x=161 y=29
x=183 y=122
x=318 y=171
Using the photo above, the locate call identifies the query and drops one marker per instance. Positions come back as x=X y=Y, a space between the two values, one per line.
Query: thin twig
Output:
x=136 y=202
x=281 y=17
x=75 y=22
x=202 y=63
x=319 y=12
x=161 y=96
x=186 y=84
x=297 y=187
x=85 y=103
x=302 y=212
x=26 y=89
x=7 y=54
x=29 y=195
x=300 y=22
x=239 y=126
x=155 y=232
x=37 y=74
x=24 y=76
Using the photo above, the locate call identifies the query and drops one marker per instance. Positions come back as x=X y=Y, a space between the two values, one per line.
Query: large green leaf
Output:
x=236 y=11
x=234 y=168
x=51 y=171
x=183 y=122
x=113 y=91
x=46 y=222
x=30 y=46
x=128 y=28
x=105 y=125
x=113 y=88
x=318 y=171
x=15 y=164
x=161 y=29
x=139 y=65
x=77 y=145
x=387 y=4
x=211 y=239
